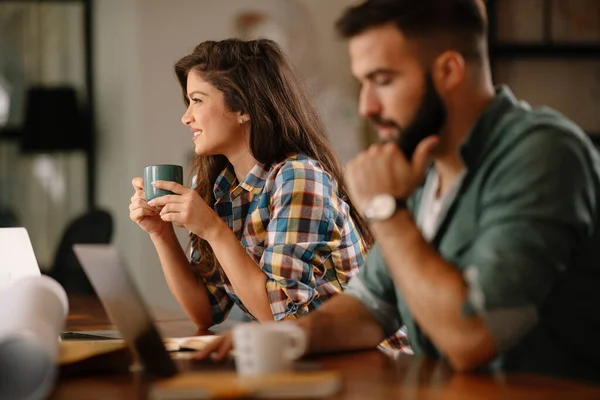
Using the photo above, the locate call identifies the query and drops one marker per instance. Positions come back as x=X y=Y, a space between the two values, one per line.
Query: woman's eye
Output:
x=196 y=101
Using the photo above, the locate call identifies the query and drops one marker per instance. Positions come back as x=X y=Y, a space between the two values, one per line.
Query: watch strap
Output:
x=401 y=204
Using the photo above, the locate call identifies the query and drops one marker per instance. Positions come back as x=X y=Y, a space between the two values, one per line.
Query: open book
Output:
x=72 y=351
x=188 y=343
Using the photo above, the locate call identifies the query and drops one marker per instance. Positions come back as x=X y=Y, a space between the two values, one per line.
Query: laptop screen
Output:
x=125 y=306
x=18 y=259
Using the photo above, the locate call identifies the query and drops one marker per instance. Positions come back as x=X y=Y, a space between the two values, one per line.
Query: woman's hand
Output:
x=186 y=208
x=144 y=215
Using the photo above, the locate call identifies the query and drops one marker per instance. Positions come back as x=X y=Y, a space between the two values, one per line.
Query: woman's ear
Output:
x=243 y=117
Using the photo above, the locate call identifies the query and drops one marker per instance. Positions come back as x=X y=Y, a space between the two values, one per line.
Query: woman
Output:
x=272 y=229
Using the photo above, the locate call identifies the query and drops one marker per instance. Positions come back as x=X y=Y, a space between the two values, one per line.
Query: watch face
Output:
x=381 y=207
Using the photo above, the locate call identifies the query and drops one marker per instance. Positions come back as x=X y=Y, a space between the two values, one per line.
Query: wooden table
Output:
x=367 y=375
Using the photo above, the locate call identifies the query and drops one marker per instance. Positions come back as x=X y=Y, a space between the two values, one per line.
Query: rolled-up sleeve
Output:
x=300 y=236
x=537 y=206
x=220 y=302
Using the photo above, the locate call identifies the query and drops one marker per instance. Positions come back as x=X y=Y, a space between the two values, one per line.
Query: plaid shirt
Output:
x=397 y=343
x=292 y=223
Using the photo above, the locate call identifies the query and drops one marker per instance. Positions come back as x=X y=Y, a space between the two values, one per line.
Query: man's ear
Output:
x=448 y=71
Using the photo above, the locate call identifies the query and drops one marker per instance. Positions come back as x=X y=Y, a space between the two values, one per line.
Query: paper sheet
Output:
x=32 y=315
x=188 y=342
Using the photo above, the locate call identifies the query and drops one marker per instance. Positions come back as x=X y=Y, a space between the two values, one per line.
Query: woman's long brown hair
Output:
x=256 y=78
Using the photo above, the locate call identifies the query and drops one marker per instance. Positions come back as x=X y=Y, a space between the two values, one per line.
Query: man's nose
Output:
x=369 y=104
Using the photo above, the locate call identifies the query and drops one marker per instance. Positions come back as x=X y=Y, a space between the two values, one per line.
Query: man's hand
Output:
x=383 y=168
x=217 y=349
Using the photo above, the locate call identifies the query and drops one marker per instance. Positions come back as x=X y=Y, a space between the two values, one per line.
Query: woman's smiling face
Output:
x=215 y=128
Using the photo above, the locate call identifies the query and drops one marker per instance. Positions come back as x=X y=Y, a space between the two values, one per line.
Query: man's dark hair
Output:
x=435 y=25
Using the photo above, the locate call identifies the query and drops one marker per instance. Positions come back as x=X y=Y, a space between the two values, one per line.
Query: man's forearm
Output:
x=434 y=291
x=341 y=324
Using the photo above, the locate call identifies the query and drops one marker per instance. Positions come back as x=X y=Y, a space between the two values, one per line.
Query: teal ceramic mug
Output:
x=164 y=172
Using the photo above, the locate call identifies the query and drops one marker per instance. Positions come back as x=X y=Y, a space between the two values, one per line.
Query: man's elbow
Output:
x=466 y=361
x=472 y=353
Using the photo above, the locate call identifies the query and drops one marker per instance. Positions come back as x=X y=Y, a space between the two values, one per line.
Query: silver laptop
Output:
x=17 y=259
x=126 y=309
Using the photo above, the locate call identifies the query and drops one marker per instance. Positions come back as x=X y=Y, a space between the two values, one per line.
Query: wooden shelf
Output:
x=9 y=133
x=534 y=50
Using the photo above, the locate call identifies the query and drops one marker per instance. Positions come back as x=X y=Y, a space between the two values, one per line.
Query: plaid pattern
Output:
x=291 y=221
x=397 y=343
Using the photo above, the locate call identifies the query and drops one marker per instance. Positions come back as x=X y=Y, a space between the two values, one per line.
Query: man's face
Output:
x=397 y=95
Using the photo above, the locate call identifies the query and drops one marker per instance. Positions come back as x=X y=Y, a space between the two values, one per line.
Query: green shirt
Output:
x=523 y=228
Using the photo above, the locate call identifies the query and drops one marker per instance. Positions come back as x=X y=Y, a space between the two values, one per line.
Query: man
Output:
x=494 y=261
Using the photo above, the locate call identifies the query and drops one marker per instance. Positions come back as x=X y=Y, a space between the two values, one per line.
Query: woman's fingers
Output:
x=140 y=213
x=138 y=183
x=170 y=208
x=139 y=194
x=167 y=199
x=136 y=202
x=172 y=186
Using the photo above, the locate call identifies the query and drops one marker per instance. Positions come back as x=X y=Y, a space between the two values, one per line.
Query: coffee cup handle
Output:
x=299 y=342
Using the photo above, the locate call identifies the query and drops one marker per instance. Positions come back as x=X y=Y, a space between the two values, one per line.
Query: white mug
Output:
x=267 y=347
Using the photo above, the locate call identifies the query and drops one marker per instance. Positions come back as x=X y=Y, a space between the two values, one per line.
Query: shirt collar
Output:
x=224 y=182
x=254 y=182
x=485 y=132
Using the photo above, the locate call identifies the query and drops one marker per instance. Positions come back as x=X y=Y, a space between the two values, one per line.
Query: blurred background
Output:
x=88 y=97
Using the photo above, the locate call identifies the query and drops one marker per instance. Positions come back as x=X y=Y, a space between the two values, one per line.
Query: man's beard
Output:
x=429 y=119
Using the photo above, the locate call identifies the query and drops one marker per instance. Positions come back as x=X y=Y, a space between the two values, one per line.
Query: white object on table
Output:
x=32 y=315
x=268 y=347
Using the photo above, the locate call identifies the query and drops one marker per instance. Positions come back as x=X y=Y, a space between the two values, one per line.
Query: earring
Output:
x=241 y=120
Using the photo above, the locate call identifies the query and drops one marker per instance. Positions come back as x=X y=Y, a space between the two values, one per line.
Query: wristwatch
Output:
x=382 y=207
